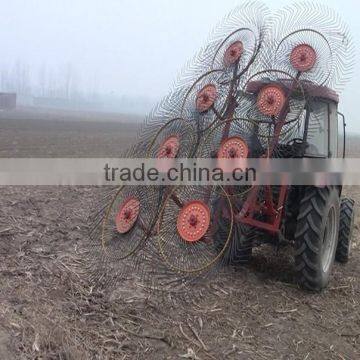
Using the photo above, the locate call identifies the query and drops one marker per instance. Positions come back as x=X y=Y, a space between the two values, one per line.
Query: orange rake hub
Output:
x=193 y=221
x=271 y=100
x=127 y=215
x=233 y=148
x=206 y=98
x=169 y=148
x=233 y=53
x=303 y=57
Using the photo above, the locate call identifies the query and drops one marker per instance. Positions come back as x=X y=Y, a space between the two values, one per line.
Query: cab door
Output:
x=333 y=131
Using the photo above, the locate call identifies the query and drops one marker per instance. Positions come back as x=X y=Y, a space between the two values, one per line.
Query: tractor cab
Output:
x=322 y=127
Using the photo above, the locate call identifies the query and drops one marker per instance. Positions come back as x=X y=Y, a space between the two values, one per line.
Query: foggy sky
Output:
x=130 y=47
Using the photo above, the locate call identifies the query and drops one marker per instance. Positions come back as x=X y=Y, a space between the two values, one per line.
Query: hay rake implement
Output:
x=263 y=87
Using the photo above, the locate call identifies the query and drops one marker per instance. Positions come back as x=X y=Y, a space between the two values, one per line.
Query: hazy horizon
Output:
x=127 y=48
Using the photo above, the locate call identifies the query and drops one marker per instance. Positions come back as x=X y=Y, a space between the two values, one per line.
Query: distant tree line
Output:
x=62 y=82
x=61 y=86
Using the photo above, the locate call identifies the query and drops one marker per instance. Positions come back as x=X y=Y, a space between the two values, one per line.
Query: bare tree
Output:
x=68 y=80
x=4 y=80
x=42 y=80
x=19 y=80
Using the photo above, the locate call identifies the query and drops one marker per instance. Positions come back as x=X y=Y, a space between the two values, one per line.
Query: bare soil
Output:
x=49 y=309
x=30 y=133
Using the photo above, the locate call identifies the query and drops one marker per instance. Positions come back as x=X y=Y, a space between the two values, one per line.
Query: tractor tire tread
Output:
x=307 y=234
x=345 y=230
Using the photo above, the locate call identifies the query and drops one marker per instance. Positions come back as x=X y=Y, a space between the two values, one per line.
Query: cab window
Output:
x=318 y=130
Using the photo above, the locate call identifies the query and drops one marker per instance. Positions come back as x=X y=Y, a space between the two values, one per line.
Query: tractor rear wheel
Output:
x=316 y=236
x=239 y=249
x=345 y=232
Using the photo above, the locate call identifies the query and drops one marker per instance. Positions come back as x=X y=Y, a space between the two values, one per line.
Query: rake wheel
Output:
x=185 y=239
x=236 y=53
x=310 y=39
x=175 y=139
x=237 y=41
x=206 y=99
x=228 y=141
x=129 y=221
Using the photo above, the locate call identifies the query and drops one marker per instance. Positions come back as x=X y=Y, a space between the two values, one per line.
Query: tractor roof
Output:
x=309 y=87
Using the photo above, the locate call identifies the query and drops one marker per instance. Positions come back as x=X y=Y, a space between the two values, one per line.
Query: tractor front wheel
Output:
x=316 y=236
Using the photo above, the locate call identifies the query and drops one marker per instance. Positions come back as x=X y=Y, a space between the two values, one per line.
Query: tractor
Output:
x=317 y=221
